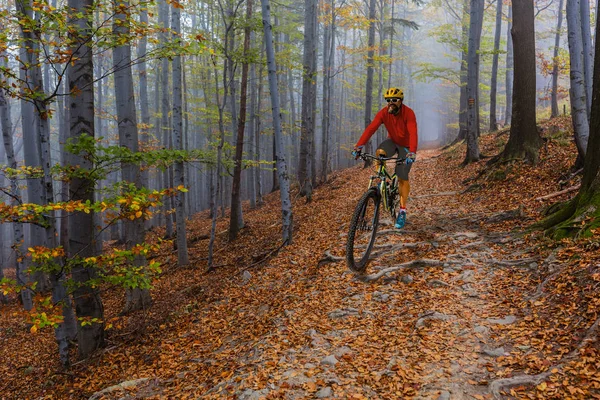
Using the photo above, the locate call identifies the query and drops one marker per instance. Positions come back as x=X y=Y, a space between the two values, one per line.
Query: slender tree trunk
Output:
x=18 y=245
x=309 y=81
x=369 y=83
x=475 y=26
x=577 y=91
x=165 y=110
x=462 y=110
x=136 y=298
x=179 y=181
x=284 y=183
x=81 y=225
x=235 y=222
x=258 y=120
x=253 y=171
x=143 y=85
x=588 y=52
x=554 y=95
x=494 y=84
x=509 y=68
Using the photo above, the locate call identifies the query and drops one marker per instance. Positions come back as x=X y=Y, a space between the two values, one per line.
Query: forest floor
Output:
x=461 y=304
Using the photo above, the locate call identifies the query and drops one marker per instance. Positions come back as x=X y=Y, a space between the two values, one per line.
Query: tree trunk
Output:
x=284 y=183
x=179 y=181
x=577 y=90
x=370 y=54
x=494 y=84
x=236 y=222
x=463 y=106
x=475 y=26
x=18 y=245
x=136 y=298
x=554 y=95
x=143 y=84
x=580 y=215
x=165 y=109
x=309 y=78
x=588 y=53
x=524 y=140
x=253 y=171
x=81 y=225
x=509 y=68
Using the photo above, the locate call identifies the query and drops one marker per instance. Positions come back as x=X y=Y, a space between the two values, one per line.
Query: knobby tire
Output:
x=357 y=225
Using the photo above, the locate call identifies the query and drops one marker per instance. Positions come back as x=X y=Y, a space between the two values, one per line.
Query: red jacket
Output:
x=402 y=128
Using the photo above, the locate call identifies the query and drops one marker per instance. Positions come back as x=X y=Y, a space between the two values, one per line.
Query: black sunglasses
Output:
x=392 y=100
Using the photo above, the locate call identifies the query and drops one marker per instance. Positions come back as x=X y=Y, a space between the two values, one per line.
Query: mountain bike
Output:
x=382 y=193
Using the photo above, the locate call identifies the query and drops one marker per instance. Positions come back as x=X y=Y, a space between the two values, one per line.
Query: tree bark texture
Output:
x=475 y=26
x=494 y=83
x=554 y=95
x=524 y=140
x=577 y=90
x=136 y=298
x=284 y=183
x=237 y=221
x=509 y=68
x=81 y=225
x=309 y=80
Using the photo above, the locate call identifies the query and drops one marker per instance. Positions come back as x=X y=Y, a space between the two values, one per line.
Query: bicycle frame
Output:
x=385 y=179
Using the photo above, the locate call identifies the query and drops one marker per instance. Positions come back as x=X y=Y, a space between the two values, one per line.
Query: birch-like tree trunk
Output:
x=554 y=95
x=178 y=171
x=370 y=55
x=588 y=53
x=143 y=86
x=475 y=26
x=165 y=109
x=509 y=68
x=577 y=90
x=136 y=298
x=81 y=225
x=284 y=183
x=18 y=245
x=494 y=83
x=236 y=220
x=309 y=78
x=462 y=103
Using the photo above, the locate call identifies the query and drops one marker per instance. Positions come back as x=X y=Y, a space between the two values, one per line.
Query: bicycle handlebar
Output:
x=365 y=156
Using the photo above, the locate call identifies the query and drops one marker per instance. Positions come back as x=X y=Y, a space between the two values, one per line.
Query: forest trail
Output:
x=458 y=305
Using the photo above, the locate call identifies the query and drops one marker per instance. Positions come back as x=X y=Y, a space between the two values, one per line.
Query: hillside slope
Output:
x=460 y=304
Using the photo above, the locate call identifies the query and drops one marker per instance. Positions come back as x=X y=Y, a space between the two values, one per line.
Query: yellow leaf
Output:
x=138 y=214
x=542 y=386
x=33 y=329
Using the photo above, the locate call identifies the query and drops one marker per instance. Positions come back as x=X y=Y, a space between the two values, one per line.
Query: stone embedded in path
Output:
x=482 y=329
x=468 y=235
x=407 y=279
x=250 y=394
x=329 y=360
x=324 y=393
x=344 y=312
x=494 y=352
x=436 y=315
x=503 y=321
x=246 y=276
x=445 y=395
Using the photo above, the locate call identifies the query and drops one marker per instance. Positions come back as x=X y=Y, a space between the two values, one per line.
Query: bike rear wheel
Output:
x=363 y=230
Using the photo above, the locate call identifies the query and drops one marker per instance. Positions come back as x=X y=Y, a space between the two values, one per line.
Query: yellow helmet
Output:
x=394 y=93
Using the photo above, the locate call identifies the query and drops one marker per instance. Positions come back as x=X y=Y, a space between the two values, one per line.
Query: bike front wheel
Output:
x=363 y=230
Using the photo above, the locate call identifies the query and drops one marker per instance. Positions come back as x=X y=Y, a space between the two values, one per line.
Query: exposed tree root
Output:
x=501 y=384
x=415 y=263
x=421 y=196
x=329 y=258
x=513 y=263
x=556 y=194
x=121 y=386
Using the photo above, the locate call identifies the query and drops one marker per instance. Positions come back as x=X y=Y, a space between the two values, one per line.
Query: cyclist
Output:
x=401 y=124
